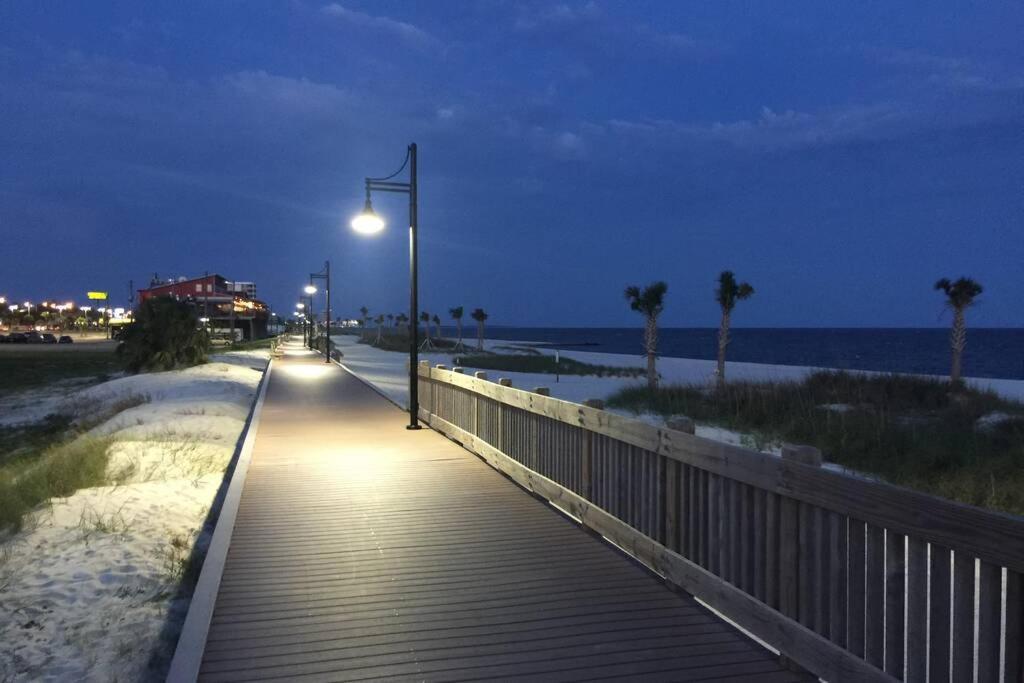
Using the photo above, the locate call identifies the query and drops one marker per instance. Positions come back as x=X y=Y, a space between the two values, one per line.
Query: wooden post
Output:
x=681 y=424
x=807 y=455
x=793 y=597
x=505 y=382
x=543 y=391
x=441 y=367
x=479 y=374
x=425 y=365
x=587 y=461
x=459 y=370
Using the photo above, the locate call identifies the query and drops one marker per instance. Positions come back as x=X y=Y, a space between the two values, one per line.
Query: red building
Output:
x=216 y=301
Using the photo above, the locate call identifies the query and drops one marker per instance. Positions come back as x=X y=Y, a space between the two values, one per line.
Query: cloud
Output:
x=558 y=18
x=955 y=73
x=410 y=34
x=588 y=28
x=298 y=95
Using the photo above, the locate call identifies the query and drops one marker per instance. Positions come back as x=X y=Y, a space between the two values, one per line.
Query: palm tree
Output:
x=437 y=324
x=365 y=312
x=380 y=322
x=402 y=319
x=425 y=317
x=959 y=296
x=391 y=319
x=727 y=294
x=649 y=302
x=456 y=314
x=480 y=316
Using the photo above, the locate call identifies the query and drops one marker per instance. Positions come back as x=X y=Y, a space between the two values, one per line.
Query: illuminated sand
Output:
x=86 y=588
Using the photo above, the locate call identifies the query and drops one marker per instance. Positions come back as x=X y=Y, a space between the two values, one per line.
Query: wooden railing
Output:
x=849 y=578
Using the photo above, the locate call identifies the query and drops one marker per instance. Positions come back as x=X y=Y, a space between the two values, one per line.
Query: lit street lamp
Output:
x=324 y=275
x=302 y=316
x=369 y=223
x=310 y=291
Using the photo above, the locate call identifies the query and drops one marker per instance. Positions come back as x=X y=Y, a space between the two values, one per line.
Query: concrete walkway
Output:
x=365 y=551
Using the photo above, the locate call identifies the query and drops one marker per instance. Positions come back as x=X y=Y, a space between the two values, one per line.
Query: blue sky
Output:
x=840 y=157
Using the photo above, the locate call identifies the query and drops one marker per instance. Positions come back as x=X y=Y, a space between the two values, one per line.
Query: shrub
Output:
x=165 y=335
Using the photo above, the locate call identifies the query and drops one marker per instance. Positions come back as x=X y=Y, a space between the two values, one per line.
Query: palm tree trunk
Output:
x=480 y=335
x=651 y=344
x=458 y=324
x=723 y=341
x=426 y=328
x=958 y=340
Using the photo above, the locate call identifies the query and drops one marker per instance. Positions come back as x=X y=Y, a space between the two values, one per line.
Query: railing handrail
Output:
x=989 y=535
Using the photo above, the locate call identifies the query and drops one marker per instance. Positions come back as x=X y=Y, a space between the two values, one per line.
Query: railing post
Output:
x=792 y=591
x=426 y=383
x=587 y=462
x=671 y=512
x=505 y=382
x=535 y=422
x=479 y=374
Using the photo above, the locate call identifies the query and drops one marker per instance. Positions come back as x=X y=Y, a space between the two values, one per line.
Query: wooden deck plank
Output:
x=365 y=551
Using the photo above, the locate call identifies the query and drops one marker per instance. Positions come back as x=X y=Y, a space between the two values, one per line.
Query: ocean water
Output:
x=989 y=352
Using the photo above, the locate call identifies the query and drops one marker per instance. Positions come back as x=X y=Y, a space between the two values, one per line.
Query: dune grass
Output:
x=54 y=458
x=911 y=431
x=253 y=344
x=542 y=364
x=58 y=471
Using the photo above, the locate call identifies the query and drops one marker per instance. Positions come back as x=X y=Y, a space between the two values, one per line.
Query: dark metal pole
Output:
x=414 y=399
x=327 y=348
x=312 y=317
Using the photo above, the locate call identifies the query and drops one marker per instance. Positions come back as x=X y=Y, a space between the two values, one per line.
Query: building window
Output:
x=199 y=288
x=209 y=288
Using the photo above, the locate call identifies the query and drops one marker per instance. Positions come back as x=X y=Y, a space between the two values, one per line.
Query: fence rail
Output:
x=850 y=578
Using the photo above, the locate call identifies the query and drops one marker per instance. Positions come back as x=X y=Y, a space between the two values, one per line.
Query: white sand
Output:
x=87 y=586
x=387 y=371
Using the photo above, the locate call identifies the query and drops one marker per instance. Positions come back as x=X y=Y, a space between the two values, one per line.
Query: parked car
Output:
x=4 y=339
x=18 y=338
x=65 y=339
x=47 y=338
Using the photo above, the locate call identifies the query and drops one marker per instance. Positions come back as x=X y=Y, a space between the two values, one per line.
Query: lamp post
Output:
x=310 y=291
x=325 y=275
x=298 y=311
x=368 y=223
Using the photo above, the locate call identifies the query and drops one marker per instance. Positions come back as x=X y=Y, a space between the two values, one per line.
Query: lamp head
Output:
x=368 y=222
x=300 y=306
x=310 y=289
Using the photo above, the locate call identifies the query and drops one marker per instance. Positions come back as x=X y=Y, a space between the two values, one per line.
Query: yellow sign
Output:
x=98 y=295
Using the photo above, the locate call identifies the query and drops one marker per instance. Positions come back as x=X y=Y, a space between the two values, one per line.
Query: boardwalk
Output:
x=365 y=551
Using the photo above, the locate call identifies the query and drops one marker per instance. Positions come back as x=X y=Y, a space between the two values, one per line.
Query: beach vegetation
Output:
x=960 y=296
x=480 y=316
x=649 y=302
x=727 y=294
x=165 y=335
x=542 y=364
x=456 y=314
x=965 y=445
